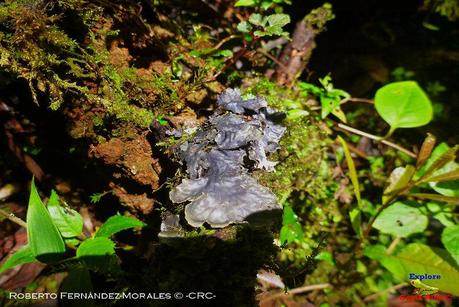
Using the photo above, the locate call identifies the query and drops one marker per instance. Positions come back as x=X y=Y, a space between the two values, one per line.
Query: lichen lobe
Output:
x=219 y=159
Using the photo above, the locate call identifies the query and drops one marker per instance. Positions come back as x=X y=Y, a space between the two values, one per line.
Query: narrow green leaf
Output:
x=440 y=157
x=426 y=149
x=116 y=224
x=68 y=221
x=450 y=239
x=22 y=256
x=354 y=214
x=401 y=219
x=419 y=259
x=437 y=197
x=449 y=176
x=44 y=238
x=398 y=180
x=352 y=171
x=403 y=105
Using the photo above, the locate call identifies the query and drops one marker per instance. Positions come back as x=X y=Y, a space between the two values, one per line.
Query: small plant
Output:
x=53 y=227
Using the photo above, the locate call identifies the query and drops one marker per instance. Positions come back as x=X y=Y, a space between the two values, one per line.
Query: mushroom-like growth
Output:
x=219 y=159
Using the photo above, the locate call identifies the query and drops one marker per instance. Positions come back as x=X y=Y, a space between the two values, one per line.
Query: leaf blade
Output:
x=68 y=221
x=44 y=238
x=403 y=105
x=116 y=224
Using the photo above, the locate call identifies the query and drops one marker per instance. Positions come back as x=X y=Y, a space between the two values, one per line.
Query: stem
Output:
x=13 y=218
x=378 y=139
x=296 y=291
x=393 y=288
x=393 y=245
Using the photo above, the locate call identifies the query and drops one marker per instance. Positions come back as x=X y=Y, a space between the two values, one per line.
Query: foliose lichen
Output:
x=219 y=160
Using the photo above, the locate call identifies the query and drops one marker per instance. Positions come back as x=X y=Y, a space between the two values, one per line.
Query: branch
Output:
x=295 y=291
x=378 y=139
x=13 y=218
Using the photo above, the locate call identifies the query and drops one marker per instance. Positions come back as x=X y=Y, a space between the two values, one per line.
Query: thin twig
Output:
x=13 y=218
x=377 y=294
x=355 y=99
x=296 y=291
x=377 y=138
x=393 y=245
x=272 y=58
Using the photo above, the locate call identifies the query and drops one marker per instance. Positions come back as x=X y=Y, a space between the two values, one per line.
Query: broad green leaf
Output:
x=116 y=224
x=291 y=229
x=401 y=219
x=398 y=180
x=257 y=19
x=354 y=214
x=98 y=253
x=450 y=239
x=100 y=246
x=245 y=3
x=244 y=27
x=403 y=105
x=44 y=238
x=22 y=256
x=68 y=221
x=278 y=20
x=441 y=212
x=419 y=259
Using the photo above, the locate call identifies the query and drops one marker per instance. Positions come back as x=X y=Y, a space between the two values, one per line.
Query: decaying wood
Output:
x=295 y=55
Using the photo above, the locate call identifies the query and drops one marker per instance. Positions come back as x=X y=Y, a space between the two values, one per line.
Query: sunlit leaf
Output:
x=403 y=105
x=245 y=3
x=355 y=213
x=22 y=256
x=401 y=219
x=291 y=229
x=450 y=239
x=398 y=180
x=68 y=221
x=44 y=238
x=419 y=259
x=116 y=224
x=98 y=253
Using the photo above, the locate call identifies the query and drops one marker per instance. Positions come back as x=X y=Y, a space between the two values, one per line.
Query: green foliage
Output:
x=270 y=25
x=46 y=230
x=22 y=256
x=421 y=258
x=354 y=213
x=450 y=239
x=403 y=105
x=68 y=221
x=116 y=224
x=401 y=219
x=328 y=96
x=44 y=238
x=98 y=254
x=291 y=229
x=263 y=4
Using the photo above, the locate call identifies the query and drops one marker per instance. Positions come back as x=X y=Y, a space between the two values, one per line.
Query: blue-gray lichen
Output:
x=219 y=158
